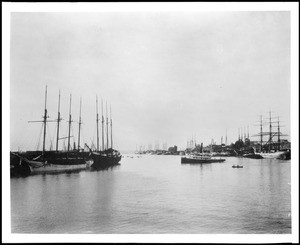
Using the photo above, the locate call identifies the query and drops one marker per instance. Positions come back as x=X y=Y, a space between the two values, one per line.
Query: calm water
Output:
x=158 y=194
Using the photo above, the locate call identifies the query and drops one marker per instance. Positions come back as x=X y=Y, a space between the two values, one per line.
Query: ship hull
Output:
x=200 y=161
x=253 y=156
x=275 y=155
x=104 y=161
x=283 y=155
x=21 y=166
x=58 y=168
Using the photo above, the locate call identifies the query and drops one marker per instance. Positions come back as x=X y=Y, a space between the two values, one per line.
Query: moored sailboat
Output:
x=270 y=149
x=42 y=162
x=107 y=157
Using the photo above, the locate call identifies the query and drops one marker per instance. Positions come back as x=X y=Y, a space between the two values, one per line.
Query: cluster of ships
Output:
x=269 y=146
x=75 y=159
x=54 y=161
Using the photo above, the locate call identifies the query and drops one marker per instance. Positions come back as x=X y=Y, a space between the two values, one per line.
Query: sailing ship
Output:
x=270 y=149
x=42 y=162
x=107 y=157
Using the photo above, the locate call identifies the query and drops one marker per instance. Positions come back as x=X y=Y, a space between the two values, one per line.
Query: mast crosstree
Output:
x=70 y=122
x=44 y=121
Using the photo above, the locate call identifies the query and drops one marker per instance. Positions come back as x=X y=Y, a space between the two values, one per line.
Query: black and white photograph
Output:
x=150 y=122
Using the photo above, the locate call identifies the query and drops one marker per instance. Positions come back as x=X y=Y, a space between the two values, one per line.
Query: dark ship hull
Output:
x=253 y=156
x=195 y=160
x=28 y=163
x=106 y=159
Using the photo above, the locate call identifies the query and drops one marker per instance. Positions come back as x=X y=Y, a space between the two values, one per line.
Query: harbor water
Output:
x=156 y=194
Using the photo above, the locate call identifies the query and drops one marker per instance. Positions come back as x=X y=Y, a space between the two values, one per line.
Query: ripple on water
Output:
x=157 y=195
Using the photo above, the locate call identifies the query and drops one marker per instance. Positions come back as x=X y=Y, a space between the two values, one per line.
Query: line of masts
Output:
x=58 y=120
x=192 y=143
x=242 y=133
x=104 y=147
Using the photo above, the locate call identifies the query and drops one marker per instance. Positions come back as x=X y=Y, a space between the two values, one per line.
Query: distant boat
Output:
x=221 y=154
x=237 y=166
x=42 y=162
x=200 y=158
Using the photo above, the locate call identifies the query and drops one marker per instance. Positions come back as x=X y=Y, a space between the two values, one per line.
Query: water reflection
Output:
x=110 y=168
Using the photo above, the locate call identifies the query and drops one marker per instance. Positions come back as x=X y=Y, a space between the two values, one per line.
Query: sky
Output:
x=168 y=76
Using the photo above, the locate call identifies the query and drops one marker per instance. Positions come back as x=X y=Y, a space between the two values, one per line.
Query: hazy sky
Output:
x=167 y=75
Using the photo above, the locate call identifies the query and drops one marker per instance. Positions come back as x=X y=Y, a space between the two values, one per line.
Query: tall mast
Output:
x=278 y=135
x=106 y=127
x=248 y=131
x=111 y=138
x=45 y=121
x=70 y=121
x=102 y=124
x=58 y=120
x=261 y=134
x=97 y=120
x=79 y=124
x=270 y=137
x=226 y=137
x=242 y=133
